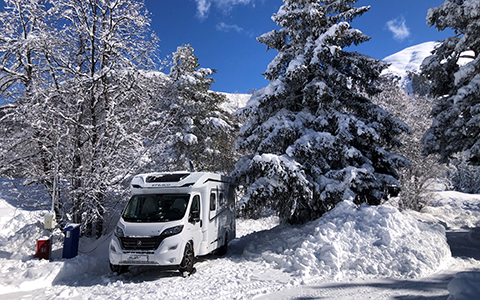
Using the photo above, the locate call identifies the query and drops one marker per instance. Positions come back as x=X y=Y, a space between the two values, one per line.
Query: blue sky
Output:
x=223 y=33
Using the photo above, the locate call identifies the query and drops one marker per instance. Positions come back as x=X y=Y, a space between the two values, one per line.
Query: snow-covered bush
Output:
x=313 y=139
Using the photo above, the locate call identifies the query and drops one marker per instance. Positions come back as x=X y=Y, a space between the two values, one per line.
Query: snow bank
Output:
x=351 y=242
x=347 y=243
x=454 y=210
x=20 y=225
x=27 y=276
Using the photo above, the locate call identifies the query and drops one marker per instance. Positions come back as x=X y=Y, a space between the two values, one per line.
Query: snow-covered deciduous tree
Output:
x=416 y=179
x=200 y=132
x=106 y=45
x=314 y=139
x=28 y=128
x=454 y=71
x=93 y=97
x=22 y=32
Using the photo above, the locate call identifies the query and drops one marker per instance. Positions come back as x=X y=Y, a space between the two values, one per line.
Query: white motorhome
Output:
x=173 y=217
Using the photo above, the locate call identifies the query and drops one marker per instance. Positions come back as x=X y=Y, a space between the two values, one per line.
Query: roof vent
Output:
x=167 y=177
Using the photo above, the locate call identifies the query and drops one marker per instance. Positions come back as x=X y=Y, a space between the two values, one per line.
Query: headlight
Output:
x=119 y=232
x=172 y=231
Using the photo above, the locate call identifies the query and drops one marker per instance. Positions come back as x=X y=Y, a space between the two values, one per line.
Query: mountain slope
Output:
x=408 y=60
x=235 y=101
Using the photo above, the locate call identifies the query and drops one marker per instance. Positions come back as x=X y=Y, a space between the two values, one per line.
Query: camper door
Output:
x=215 y=222
x=194 y=222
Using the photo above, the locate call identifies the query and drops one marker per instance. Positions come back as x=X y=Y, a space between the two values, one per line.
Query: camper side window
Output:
x=213 y=202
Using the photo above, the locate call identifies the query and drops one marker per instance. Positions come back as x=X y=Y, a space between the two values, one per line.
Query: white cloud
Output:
x=399 y=28
x=203 y=6
x=225 y=27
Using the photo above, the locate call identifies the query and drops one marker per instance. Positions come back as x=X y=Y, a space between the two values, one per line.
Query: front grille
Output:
x=143 y=243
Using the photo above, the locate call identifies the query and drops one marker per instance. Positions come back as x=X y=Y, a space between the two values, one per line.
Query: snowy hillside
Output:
x=408 y=60
x=235 y=101
x=266 y=261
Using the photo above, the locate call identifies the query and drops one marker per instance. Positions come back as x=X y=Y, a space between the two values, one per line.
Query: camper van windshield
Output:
x=156 y=208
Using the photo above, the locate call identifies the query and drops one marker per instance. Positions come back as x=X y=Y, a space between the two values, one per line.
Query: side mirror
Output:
x=194 y=217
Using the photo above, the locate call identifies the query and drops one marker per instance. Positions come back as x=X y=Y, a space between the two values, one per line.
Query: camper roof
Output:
x=175 y=179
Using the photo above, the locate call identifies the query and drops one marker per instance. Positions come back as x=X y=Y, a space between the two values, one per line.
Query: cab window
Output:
x=195 y=205
x=213 y=201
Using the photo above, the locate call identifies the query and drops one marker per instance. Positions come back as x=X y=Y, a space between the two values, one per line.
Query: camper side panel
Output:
x=218 y=216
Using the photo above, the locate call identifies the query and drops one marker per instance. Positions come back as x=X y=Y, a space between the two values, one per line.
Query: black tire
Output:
x=222 y=250
x=118 y=269
x=188 y=260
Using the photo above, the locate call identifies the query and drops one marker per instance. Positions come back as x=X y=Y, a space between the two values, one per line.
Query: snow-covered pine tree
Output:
x=314 y=139
x=202 y=133
x=456 y=127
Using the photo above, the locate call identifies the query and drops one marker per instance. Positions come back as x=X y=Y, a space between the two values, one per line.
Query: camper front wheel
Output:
x=186 y=266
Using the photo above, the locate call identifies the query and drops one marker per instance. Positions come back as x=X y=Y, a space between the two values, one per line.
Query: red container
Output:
x=43 y=249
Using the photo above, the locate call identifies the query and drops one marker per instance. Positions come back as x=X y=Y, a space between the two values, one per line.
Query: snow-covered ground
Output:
x=350 y=253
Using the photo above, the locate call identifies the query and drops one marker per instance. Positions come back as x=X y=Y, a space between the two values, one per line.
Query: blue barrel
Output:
x=70 y=244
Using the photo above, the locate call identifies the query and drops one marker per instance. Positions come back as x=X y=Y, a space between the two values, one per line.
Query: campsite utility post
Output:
x=44 y=245
x=49 y=220
x=49 y=223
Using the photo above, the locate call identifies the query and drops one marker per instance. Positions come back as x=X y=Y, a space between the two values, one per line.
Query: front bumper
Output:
x=168 y=254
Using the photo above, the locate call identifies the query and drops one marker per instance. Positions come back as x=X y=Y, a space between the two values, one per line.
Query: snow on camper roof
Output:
x=175 y=177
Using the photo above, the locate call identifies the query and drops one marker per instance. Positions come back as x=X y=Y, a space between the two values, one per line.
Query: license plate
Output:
x=137 y=257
